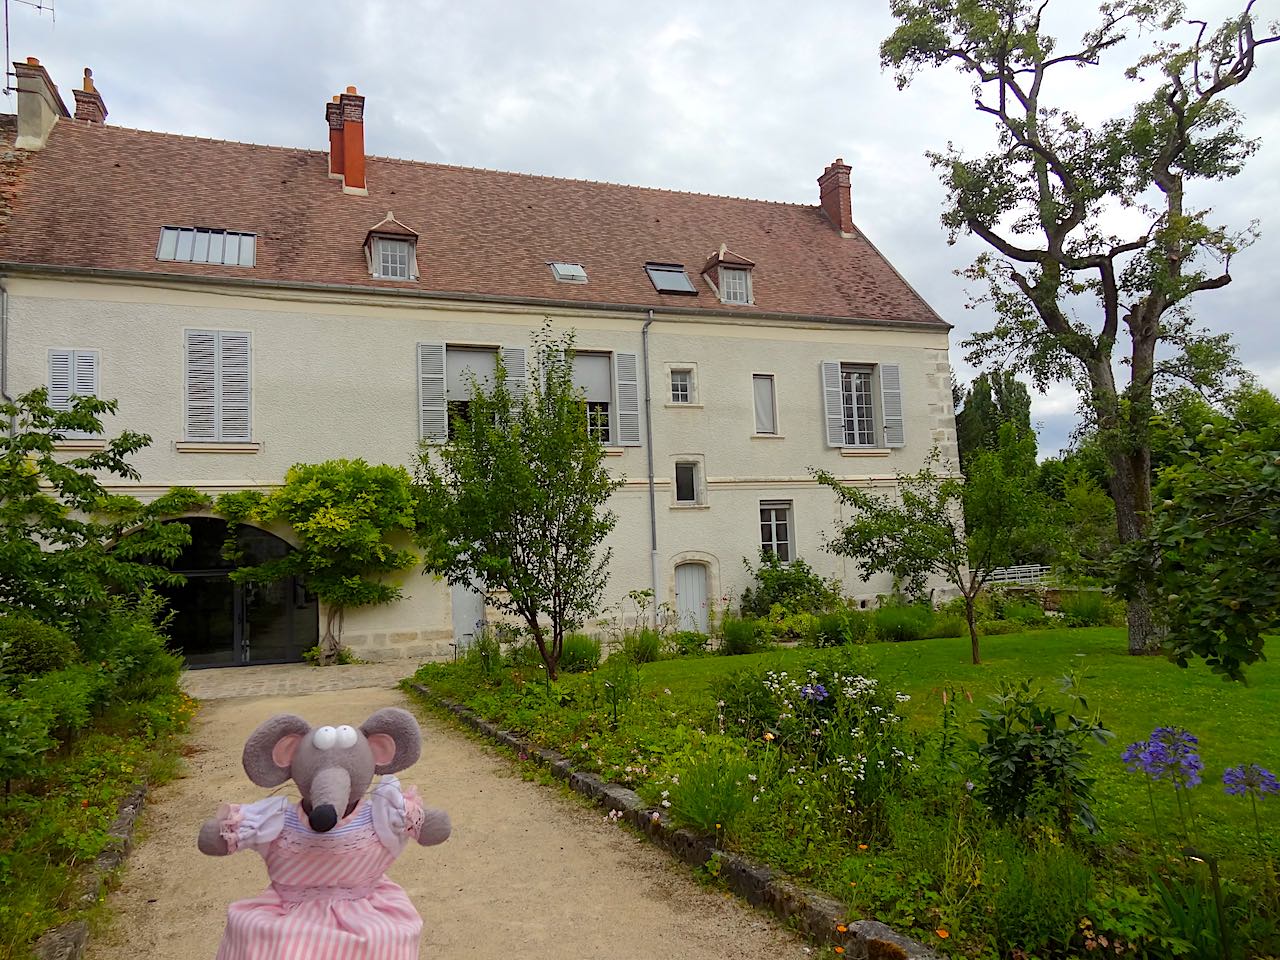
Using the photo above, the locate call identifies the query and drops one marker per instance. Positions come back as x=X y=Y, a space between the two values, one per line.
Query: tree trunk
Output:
x=549 y=660
x=331 y=642
x=1130 y=484
x=973 y=630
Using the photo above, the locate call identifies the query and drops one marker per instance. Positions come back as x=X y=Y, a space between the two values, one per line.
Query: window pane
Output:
x=859 y=419
x=680 y=384
x=461 y=364
x=762 y=387
x=598 y=421
x=231 y=248
x=733 y=285
x=248 y=249
x=168 y=243
x=217 y=244
x=569 y=272
x=200 y=252
x=186 y=240
x=669 y=278
x=686 y=482
x=593 y=375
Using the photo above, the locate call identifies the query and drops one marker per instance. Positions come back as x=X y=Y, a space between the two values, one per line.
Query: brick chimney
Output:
x=39 y=105
x=89 y=105
x=333 y=114
x=352 y=109
x=833 y=186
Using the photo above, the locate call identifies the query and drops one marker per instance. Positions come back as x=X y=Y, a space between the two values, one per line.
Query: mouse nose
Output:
x=323 y=818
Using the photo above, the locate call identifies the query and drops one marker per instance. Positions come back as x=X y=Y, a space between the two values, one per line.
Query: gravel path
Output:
x=528 y=872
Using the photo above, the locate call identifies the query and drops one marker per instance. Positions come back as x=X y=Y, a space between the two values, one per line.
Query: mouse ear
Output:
x=394 y=738
x=268 y=753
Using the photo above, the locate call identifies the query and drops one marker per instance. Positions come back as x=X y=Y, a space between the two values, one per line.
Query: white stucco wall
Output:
x=336 y=377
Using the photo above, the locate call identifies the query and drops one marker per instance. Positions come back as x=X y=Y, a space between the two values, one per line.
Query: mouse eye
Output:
x=347 y=736
x=324 y=738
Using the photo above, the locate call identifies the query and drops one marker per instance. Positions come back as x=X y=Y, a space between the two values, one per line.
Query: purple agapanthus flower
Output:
x=814 y=691
x=1169 y=754
x=1249 y=778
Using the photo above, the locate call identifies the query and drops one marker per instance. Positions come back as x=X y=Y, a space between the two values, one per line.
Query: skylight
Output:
x=198 y=245
x=569 y=272
x=670 y=278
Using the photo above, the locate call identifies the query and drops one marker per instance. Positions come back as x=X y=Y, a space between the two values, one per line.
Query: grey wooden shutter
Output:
x=891 y=398
x=61 y=374
x=234 y=370
x=832 y=403
x=433 y=407
x=626 y=367
x=202 y=385
x=513 y=360
x=84 y=378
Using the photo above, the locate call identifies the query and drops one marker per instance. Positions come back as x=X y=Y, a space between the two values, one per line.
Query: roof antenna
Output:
x=40 y=6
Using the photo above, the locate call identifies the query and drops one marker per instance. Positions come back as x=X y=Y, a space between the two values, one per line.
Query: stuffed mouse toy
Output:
x=327 y=857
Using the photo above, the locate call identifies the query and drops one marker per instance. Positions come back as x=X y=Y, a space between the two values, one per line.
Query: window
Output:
x=687 y=483
x=593 y=377
x=735 y=285
x=72 y=373
x=855 y=402
x=569 y=272
x=670 y=278
x=393 y=259
x=445 y=376
x=775 y=530
x=198 y=245
x=218 y=384
x=765 y=405
x=463 y=366
x=682 y=386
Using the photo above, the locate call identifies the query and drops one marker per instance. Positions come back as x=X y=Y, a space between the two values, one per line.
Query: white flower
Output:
x=665 y=794
x=675 y=780
x=666 y=803
x=667 y=691
x=752 y=777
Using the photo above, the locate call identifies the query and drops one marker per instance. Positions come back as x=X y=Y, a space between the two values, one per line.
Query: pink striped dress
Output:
x=329 y=897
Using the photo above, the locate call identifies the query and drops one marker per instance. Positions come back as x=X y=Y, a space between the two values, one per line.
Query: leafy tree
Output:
x=992 y=399
x=67 y=545
x=344 y=513
x=921 y=531
x=516 y=499
x=1215 y=534
x=1045 y=201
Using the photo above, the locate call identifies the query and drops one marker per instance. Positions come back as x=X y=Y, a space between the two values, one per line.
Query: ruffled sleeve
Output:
x=252 y=826
x=397 y=814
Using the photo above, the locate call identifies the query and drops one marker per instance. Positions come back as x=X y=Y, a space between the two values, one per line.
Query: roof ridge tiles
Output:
x=449 y=166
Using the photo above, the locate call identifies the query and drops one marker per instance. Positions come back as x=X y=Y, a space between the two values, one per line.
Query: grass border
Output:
x=814 y=914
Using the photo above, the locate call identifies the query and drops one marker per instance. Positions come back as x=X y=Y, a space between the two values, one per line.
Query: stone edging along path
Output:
x=67 y=941
x=814 y=914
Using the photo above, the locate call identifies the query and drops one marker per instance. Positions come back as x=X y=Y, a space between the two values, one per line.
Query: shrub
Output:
x=794 y=586
x=1038 y=897
x=995 y=628
x=642 y=646
x=711 y=791
x=901 y=623
x=1085 y=608
x=581 y=653
x=29 y=647
x=947 y=625
x=739 y=635
x=133 y=650
x=838 y=627
x=1022 y=611
x=687 y=643
x=65 y=699
x=343 y=656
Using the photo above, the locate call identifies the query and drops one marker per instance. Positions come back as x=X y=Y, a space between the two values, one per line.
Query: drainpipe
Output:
x=653 y=502
x=4 y=354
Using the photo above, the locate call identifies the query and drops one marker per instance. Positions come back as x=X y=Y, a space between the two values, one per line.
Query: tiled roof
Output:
x=96 y=197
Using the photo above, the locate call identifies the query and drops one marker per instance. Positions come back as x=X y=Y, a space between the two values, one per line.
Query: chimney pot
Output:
x=33 y=61
x=351 y=90
x=89 y=103
x=833 y=188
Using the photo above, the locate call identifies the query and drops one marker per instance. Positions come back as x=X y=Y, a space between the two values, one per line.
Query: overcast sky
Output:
x=749 y=99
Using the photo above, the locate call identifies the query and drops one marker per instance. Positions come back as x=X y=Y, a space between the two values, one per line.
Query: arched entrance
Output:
x=217 y=623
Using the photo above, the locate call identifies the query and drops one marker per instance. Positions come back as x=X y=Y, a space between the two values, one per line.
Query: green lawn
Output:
x=1235 y=723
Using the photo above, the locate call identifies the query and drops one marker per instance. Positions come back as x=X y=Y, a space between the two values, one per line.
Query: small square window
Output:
x=393 y=259
x=686 y=483
x=682 y=386
x=670 y=278
x=569 y=272
x=735 y=285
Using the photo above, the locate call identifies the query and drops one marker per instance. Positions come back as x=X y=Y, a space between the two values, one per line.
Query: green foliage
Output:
x=710 y=791
x=1034 y=755
x=1084 y=608
x=342 y=657
x=1065 y=287
x=516 y=499
x=993 y=399
x=345 y=513
x=946 y=625
x=1215 y=529
x=899 y=622
x=792 y=586
x=687 y=643
x=739 y=635
x=922 y=531
x=837 y=627
x=67 y=544
x=1038 y=894
x=642 y=646
x=581 y=653
x=29 y=647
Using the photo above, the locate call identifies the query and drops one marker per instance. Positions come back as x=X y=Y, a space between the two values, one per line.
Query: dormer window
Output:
x=391 y=249
x=670 y=278
x=729 y=275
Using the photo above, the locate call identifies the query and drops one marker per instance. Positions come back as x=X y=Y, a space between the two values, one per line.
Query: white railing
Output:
x=1027 y=575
